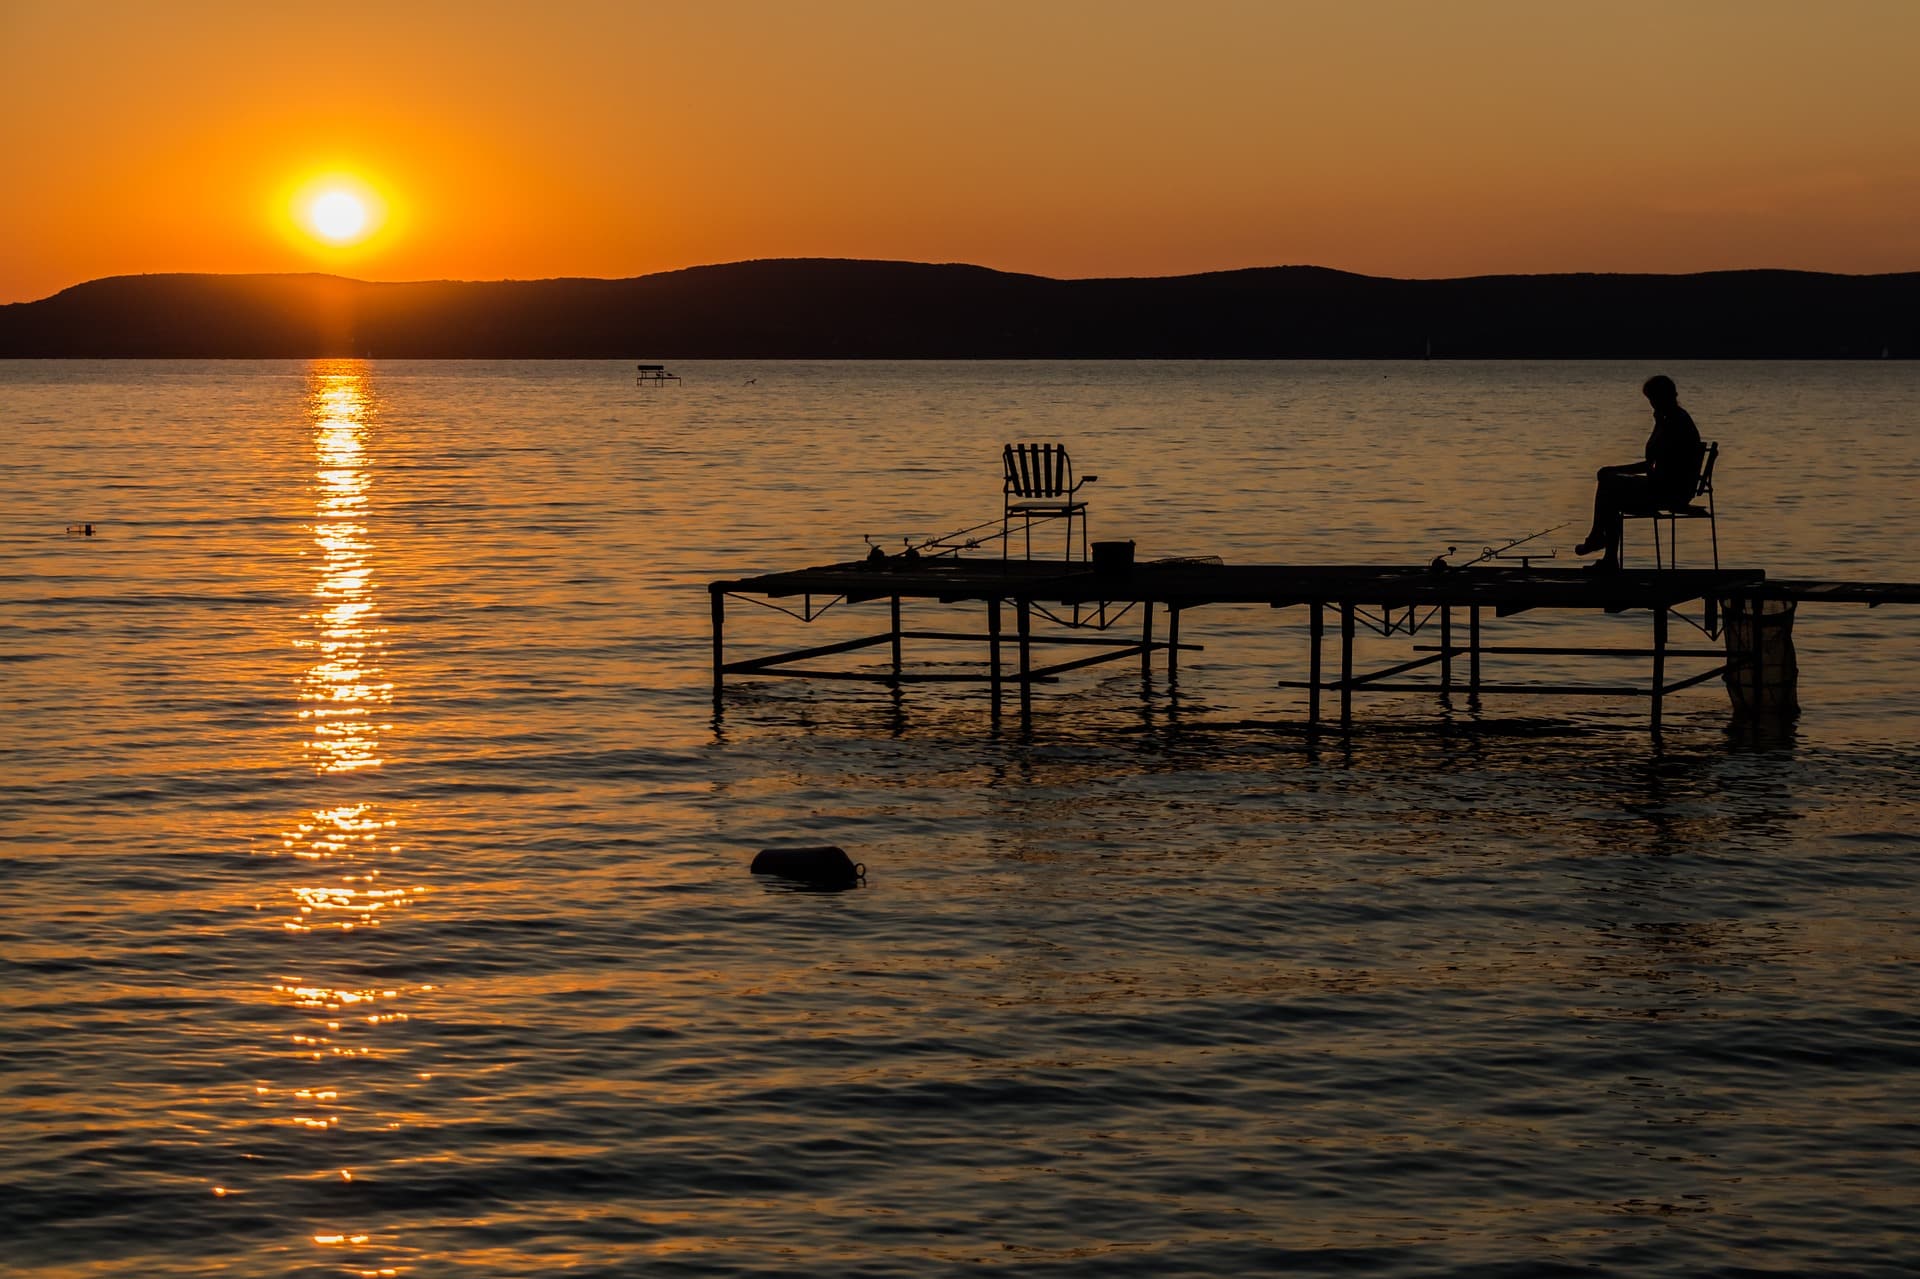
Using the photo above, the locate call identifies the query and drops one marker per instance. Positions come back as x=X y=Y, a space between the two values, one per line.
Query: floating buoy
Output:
x=80 y=530
x=818 y=864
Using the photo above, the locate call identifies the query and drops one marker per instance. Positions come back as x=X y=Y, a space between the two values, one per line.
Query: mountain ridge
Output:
x=868 y=308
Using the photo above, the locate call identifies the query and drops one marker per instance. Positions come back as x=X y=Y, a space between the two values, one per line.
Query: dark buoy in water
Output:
x=820 y=865
x=83 y=530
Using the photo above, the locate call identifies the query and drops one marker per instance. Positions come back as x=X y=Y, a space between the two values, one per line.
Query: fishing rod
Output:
x=941 y=544
x=1440 y=564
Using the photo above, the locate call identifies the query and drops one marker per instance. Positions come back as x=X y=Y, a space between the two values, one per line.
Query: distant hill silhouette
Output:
x=840 y=308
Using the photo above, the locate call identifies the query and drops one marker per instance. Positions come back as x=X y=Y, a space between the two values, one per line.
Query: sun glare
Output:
x=338 y=216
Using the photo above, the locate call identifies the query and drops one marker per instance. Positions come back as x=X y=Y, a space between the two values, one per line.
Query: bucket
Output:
x=1113 y=559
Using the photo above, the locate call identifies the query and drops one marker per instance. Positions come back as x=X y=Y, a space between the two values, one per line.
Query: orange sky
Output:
x=570 y=137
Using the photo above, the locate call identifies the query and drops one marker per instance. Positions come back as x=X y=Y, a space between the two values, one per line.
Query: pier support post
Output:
x=1473 y=652
x=1659 y=661
x=1346 y=665
x=1316 y=627
x=896 y=638
x=1763 y=673
x=719 y=647
x=1173 y=640
x=1024 y=621
x=993 y=646
x=1446 y=651
x=1146 y=638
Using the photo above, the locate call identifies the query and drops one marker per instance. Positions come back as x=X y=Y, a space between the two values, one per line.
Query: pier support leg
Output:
x=1146 y=638
x=1024 y=621
x=1659 y=661
x=1316 y=627
x=1473 y=653
x=896 y=638
x=719 y=645
x=993 y=648
x=1173 y=640
x=1446 y=651
x=1346 y=666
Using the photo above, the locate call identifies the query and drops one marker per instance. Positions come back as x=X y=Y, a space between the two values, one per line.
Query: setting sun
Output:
x=338 y=216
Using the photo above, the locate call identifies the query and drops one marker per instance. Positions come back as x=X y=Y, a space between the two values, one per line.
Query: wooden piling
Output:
x=1346 y=665
x=896 y=636
x=1446 y=651
x=1659 y=661
x=993 y=646
x=719 y=648
x=1473 y=652
x=1173 y=639
x=1146 y=638
x=1025 y=623
x=1316 y=627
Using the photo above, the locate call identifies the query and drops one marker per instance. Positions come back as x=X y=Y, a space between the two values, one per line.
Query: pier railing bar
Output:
x=1414 y=686
x=888 y=677
x=1039 y=638
x=1701 y=678
x=1105 y=621
x=1388 y=672
x=808 y=612
x=1545 y=651
x=1061 y=668
x=751 y=664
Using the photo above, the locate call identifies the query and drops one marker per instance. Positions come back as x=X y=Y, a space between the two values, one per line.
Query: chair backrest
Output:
x=1705 y=486
x=1038 y=470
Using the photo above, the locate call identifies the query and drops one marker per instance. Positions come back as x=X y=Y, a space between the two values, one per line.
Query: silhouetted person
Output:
x=1666 y=477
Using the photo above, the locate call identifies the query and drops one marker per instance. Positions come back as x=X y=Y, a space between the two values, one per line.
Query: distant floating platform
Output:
x=653 y=375
x=1387 y=600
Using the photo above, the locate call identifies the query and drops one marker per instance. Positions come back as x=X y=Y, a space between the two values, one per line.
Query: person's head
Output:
x=1660 y=391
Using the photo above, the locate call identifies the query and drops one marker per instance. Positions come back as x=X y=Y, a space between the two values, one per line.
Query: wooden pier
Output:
x=1453 y=606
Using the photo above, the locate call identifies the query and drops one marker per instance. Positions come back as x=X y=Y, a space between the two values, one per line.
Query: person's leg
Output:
x=1621 y=493
x=1604 y=512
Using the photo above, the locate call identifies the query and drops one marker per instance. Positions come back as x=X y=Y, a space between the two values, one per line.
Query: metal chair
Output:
x=1040 y=486
x=1703 y=487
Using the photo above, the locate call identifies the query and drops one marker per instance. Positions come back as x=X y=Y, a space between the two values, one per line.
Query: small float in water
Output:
x=815 y=865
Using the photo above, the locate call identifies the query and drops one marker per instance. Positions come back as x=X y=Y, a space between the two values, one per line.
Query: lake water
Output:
x=374 y=896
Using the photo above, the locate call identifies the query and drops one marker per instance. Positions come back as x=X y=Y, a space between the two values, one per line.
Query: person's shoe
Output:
x=1589 y=546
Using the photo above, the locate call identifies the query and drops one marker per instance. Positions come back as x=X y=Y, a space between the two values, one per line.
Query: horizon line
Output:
x=973 y=266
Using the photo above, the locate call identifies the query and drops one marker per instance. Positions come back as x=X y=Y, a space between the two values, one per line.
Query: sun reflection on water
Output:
x=344 y=687
x=342 y=1027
